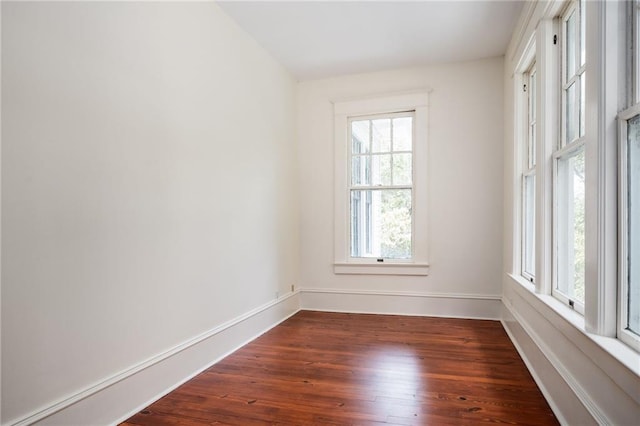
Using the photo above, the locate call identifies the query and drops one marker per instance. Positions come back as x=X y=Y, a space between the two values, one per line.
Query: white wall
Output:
x=148 y=188
x=465 y=181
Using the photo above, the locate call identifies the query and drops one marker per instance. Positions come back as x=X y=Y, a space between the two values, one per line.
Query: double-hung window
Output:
x=529 y=177
x=569 y=164
x=381 y=185
x=629 y=204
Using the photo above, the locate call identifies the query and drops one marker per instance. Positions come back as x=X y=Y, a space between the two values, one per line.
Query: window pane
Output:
x=360 y=137
x=402 y=134
x=570 y=52
x=634 y=224
x=570 y=216
x=570 y=114
x=381 y=223
x=361 y=170
x=381 y=169
x=381 y=135
x=529 y=207
x=402 y=169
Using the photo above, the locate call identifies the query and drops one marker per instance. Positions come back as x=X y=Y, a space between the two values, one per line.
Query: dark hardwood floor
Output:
x=352 y=369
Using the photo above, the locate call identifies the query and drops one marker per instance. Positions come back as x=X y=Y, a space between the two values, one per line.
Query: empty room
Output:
x=320 y=212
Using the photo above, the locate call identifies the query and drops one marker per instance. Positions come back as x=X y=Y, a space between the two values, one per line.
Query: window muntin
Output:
x=381 y=187
x=569 y=165
x=529 y=177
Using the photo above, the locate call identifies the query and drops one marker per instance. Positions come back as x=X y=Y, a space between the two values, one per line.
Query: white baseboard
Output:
x=118 y=397
x=582 y=383
x=555 y=389
x=399 y=303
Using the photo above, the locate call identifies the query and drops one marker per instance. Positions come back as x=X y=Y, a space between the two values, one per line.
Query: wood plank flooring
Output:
x=320 y=368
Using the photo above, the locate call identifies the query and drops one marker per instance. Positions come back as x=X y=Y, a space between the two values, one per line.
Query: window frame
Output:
x=528 y=161
x=565 y=149
x=344 y=111
x=626 y=336
x=371 y=187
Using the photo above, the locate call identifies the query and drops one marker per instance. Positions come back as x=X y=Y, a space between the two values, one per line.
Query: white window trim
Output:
x=528 y=162
x=565 y=148
x=604 y=34
x=385 y=104
x=626 y=336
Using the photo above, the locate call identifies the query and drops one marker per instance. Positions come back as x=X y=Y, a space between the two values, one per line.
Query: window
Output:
x=529 y=178
x=569 y=165
x=576 y=204
x=629 y=199
x=381 y=185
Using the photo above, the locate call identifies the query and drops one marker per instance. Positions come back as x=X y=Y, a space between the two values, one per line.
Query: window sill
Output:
x=617 y=349
x=419 y=269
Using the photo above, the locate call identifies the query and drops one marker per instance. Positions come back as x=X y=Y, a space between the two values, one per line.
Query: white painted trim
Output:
x=569 y=379
x=623 y=228
x=386 y=268
x=557 y=410
x=385 y=103
x=447 y=305
x=55 y=413
x=418 y=102
x=572 y=326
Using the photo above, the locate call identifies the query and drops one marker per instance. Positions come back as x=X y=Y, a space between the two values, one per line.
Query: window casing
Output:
x=569 y=165
x=381 y=185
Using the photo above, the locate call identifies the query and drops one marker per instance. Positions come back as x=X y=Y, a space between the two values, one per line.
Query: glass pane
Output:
x=381 y=223
x=633 y=132
x=402 y=169
x=381 y=169
x=570 y=216
x=402 y=134
x=381 y=135
x=528 y=257
x=361 y=170
x=571 y=117
x=570 y=52
x=582 y=98
x=360 y=137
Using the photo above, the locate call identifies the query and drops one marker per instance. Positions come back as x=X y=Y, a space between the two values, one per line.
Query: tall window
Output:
x=529 y=178
x=629 y=196
x=569 y=165
x=381 y=182
x=381 y=187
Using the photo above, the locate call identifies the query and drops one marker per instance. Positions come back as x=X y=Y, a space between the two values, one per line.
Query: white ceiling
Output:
x=317 y=39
